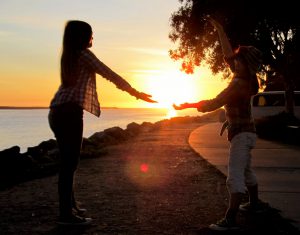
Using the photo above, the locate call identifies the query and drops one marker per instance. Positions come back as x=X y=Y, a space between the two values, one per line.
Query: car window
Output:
x=262 y=100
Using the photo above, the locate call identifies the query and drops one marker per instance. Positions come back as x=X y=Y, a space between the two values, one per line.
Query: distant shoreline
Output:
x=15 y=107
x=36 y=107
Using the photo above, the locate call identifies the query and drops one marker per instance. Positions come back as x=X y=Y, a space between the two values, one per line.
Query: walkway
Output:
x=277 y=167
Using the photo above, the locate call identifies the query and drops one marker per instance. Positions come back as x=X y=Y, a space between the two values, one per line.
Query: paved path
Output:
x=277 y=167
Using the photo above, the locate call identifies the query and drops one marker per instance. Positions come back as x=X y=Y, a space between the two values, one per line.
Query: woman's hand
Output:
x=214 y=23
x=185 y=106
x=198 y=106
x=141 y=95
x=145 y=97
x=225 y=43
x=181 y=106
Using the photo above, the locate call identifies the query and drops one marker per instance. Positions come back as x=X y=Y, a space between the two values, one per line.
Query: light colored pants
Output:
x=240 y=175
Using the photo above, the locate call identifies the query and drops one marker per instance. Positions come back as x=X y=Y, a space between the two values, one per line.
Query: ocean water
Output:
x=29 y=127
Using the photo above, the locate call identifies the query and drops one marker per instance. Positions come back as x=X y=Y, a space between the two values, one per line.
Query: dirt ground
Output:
x=153 y=184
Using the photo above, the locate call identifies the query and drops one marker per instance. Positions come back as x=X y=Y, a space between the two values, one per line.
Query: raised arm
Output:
x=225 y=44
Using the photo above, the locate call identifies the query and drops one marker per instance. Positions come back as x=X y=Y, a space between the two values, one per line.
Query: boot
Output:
x=233 y=208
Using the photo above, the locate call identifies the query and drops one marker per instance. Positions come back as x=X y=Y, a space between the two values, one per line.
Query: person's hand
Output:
x=141 y=95
x=199 y=106
x=214 y=23
x=185 y=106
x=145 y=97
x=181 y=106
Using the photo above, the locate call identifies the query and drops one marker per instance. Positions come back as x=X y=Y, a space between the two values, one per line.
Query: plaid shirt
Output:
x=84 y=92
x=236 y=101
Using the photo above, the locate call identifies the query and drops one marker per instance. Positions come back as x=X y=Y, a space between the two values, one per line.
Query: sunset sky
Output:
x=130 y=36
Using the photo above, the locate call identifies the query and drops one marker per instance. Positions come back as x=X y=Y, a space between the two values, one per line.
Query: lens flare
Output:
x=144 y=168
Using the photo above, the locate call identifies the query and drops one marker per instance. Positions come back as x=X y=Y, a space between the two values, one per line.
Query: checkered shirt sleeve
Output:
x=84 y=92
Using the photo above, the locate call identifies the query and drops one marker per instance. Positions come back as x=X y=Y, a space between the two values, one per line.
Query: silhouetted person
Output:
x=76 y=93
x=244 y=63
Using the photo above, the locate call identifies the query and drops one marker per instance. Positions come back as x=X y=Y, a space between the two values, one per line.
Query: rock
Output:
x=101 y=139
x=9 y=156
x=147 y=126
x=13 y=151
x=133 y=128
x=43 y=153
x=117 y=133
x=48 y=145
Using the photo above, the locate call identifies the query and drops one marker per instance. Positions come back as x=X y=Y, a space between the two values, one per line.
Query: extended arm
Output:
x=220 y=100
x=103 y=70
x=224 y=96
x=201 y=106
x=225 y=44
x=186 y=106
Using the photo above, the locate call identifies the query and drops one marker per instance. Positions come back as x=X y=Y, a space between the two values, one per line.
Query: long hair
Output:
x=77 y=35
x=253 y=59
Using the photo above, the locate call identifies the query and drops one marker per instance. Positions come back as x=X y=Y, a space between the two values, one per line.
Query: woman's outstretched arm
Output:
x=100 y=68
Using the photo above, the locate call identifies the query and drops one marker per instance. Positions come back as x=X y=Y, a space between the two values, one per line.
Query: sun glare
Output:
x=172 y=87
x=171 y=113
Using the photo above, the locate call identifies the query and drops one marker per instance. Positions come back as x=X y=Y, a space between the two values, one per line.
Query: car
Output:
x=270 y=103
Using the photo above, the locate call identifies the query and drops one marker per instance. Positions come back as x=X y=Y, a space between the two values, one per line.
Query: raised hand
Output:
x=214 y=23
x=225 y=43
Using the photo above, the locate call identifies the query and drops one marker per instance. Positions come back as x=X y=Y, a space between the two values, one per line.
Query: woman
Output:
x=244 y=63
x=76 y=93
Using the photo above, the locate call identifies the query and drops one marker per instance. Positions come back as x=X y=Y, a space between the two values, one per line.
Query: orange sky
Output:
x=130 y=36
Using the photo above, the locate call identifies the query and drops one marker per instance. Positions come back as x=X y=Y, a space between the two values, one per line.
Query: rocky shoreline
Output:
x=145 y=179
x=43 y=160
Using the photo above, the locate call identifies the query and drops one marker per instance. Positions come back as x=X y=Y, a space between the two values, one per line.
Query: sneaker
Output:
x=259 y=207
x=224 y=225
x=74 y=220
x=79 y=211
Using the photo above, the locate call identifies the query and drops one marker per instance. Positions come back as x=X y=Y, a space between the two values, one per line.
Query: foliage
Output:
x=273 y=27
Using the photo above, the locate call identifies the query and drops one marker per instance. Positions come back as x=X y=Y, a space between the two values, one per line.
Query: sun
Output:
x=173 y=87
x=169 y=85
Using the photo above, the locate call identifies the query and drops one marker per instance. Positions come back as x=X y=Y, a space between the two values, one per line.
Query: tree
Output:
x=271 y=26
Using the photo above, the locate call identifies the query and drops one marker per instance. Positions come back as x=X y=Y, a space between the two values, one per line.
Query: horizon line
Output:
x=44 y=107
